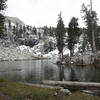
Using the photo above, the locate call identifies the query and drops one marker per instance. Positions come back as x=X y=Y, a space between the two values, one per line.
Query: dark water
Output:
x=35 y=71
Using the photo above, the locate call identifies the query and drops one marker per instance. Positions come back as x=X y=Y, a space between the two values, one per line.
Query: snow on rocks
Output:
x=53 y=54
x=20 y=53
x=15 y=53
x=23 y=52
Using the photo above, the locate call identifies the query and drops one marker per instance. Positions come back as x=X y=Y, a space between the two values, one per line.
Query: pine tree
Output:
x=60 y=33
x=24 y=29
x=51 y=31
x=2 y=18
x=1 y=25
x=9 y=25
x=20 y=30
x=14 y=30
x=17 y=30
x=45 y=30
x=73 y=33
x=34 y=31
x=10 y=30
x=91 y=19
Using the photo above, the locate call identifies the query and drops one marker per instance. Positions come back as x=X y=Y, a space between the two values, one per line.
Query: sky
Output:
x=40 y=13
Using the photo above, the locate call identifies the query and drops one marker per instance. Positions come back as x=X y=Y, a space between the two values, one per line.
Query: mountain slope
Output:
x=14 y=20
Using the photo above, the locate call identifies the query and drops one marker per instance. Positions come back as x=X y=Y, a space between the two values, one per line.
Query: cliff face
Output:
x=14 y=20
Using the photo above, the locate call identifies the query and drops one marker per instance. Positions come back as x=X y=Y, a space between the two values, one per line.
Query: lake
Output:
x=34 y=71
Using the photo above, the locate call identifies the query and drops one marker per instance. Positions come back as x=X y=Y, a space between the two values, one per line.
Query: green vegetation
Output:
x=2 y=18
x=73 y=33
x=91 y=21
x=18 y=91
x=60 y=34
x=80 y=96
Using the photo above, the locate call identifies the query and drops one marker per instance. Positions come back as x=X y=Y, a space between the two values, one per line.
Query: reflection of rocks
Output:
x=50 y=71
x=96 y=77
x=61 y=72
x=32 y=71
x=86 y=73
x=10 y=71
x=67 y=73
x=85 y=59
x=37 y=70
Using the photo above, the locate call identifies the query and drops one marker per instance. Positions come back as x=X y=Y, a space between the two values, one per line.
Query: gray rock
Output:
x=66 y=91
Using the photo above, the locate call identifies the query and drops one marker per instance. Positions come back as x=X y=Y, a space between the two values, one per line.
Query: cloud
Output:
x=45 y=12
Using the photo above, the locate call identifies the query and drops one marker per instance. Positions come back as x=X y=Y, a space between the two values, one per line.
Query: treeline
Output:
x=21 y=31
x=91 y=32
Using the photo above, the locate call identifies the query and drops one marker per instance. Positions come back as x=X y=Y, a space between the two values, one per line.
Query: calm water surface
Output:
x=34 y=71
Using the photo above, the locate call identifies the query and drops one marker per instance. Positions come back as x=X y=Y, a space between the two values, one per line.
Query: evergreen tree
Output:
x=20 y=30
x=51 y=31
x=9 y=25
x=17 y=30
x=28 y=27
x=73 y=33
x=34 y=31
x=91 y=19
x=98 y=38
x=14 y=30
x=10 y=31
x=24 y=29
x=2 y=18
x=45 y=30
x=60 y=33
x=1 y=25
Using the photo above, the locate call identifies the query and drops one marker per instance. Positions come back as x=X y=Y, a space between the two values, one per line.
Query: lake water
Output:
x=34 y=71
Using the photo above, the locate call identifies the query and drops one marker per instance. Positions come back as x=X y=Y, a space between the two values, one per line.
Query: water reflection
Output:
x=35 y=71
x=87 y=73
x=61 y=72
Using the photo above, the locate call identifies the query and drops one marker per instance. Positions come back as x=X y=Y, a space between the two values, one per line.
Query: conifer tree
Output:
x=73 y=33
x=34 y=31
x=2 y=18
x=60 y=33
x=20 y=30
x=91 y=19
x=24 y=29
x=45 y=31
x=51 y=31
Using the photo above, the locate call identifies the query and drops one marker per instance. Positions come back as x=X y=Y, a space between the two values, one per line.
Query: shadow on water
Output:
x=35 y=71
x=79 y=73
x=66 y=73
x=61 y=72
x=87 y=73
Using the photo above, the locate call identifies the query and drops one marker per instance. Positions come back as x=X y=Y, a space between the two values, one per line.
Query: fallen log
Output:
x=92 y=92
x=65 y=91
x=72 y=85
x=42 y=86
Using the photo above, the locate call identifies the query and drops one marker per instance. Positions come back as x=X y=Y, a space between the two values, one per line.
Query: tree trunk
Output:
x=93 y=42
x=71 y=52
x=61 y=56
x=73 y=85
